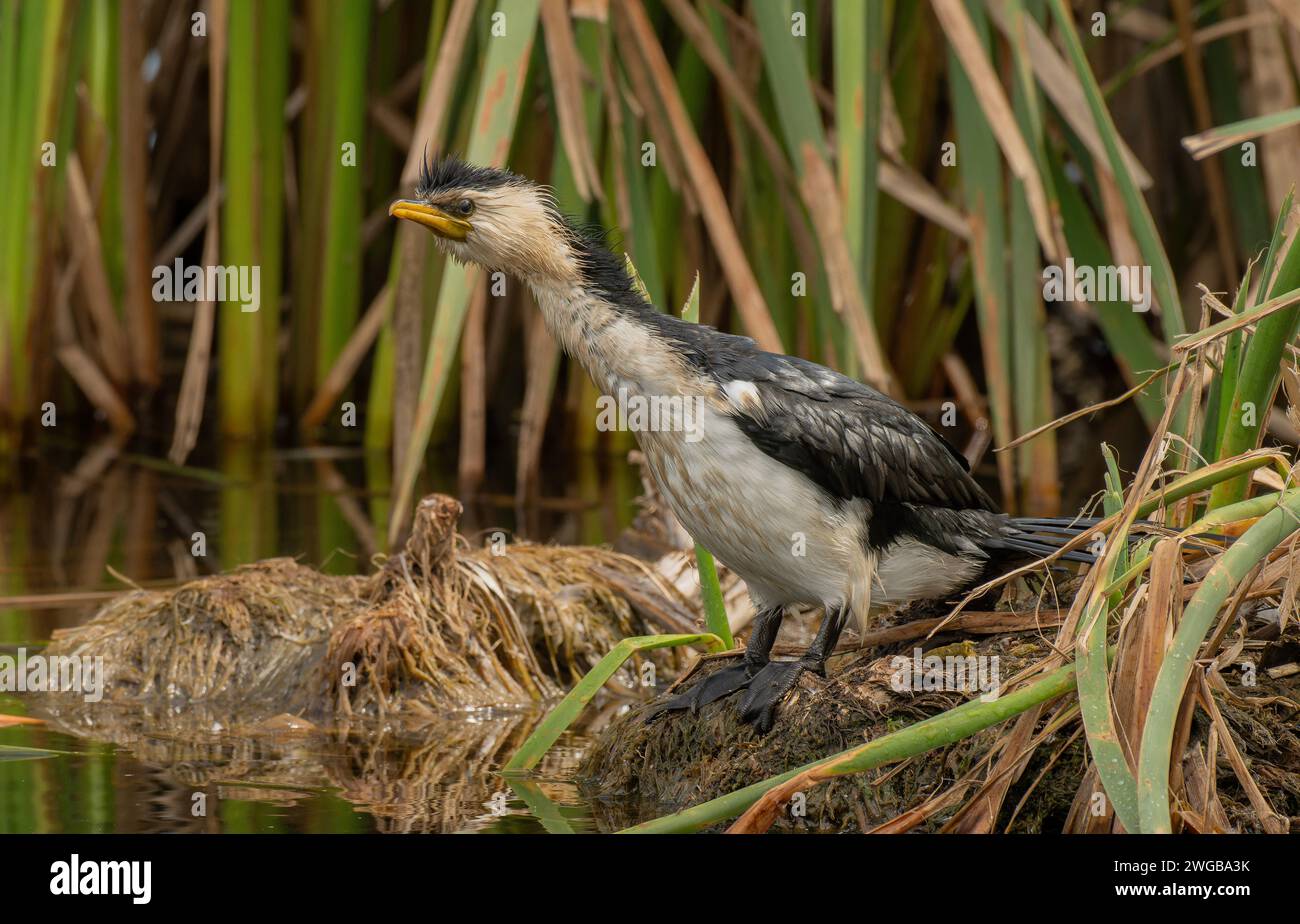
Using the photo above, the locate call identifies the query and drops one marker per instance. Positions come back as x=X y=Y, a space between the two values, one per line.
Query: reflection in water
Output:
x=77 y=526
x=439 y=778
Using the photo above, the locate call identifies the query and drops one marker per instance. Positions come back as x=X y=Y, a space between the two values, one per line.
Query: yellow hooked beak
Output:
x=432 y=217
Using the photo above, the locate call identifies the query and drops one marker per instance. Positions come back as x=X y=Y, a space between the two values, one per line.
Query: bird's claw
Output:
x=714 y=687
x=766 y=691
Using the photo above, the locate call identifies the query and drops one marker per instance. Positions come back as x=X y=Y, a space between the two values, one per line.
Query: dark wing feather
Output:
x=844 y=435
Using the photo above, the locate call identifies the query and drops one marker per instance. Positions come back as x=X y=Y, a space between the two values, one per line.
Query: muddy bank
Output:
x=639 y=770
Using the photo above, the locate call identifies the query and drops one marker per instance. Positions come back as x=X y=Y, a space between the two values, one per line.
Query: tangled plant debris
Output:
x=457 y=629
x=440 y=627
x=1003 y=778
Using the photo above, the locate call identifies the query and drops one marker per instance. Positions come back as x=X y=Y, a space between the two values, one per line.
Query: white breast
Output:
x=767 y=522
x=782 y=533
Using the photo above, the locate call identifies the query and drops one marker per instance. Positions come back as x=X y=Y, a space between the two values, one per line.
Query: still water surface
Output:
x=75 y=523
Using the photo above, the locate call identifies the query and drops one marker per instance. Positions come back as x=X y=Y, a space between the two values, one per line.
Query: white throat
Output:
x=617 y=350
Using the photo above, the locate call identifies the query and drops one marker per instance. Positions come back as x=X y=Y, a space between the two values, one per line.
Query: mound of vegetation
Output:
x=441 y=626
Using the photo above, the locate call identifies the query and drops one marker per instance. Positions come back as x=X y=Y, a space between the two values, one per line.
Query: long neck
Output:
x=613 y=343
x=596 y=313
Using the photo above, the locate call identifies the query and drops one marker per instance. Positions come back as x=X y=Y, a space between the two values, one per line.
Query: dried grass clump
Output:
x=234 y=644
x=441 y=627
x=464 y=628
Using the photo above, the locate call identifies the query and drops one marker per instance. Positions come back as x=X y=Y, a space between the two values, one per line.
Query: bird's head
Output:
x=490 y=217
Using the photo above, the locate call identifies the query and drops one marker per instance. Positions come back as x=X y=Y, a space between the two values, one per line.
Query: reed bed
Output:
x=846 y=179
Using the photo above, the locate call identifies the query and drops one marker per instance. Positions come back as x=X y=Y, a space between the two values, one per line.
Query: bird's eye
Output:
x=464 y=207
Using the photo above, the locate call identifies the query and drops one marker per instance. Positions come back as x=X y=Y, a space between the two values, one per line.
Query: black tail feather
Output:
x=1049 y=528
x=1058 y=521
x=1043 y=536
x=1041 y=548
x=1040 y=528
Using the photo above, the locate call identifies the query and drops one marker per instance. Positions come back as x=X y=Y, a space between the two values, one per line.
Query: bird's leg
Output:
x=730 y=679
x=777 y=678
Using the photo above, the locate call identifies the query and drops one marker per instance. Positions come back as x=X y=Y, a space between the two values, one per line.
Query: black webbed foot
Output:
x=770 y=685
x=712 y=688
x=766 y=691
x=734 y=678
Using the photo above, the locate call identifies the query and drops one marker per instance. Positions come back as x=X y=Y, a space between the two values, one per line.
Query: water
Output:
x=307 y=784
x=78 y=522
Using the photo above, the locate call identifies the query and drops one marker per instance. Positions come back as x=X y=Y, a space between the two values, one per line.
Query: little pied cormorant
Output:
x=813 y=487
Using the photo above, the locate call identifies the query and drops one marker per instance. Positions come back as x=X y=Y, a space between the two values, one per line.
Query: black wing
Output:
x=844 y=435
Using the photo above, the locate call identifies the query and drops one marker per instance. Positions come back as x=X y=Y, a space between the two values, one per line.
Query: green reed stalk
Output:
x=1231 y=568
x=341 y=257
x=34 y=39
x=569 y=708
x=253 y=214
x=1261 y=364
